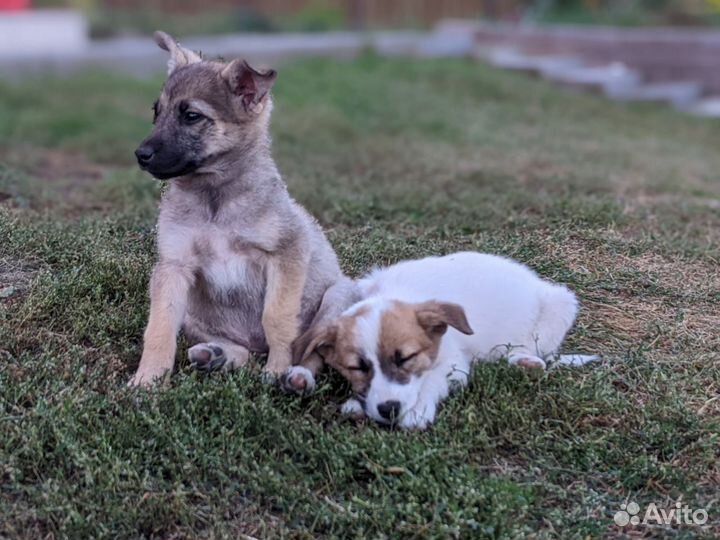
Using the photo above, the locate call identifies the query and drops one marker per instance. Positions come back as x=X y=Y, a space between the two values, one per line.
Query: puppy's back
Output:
x=455 y=277
x=505 y=302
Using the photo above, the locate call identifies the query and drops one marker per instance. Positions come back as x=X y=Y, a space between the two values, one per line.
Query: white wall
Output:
x=42 y=32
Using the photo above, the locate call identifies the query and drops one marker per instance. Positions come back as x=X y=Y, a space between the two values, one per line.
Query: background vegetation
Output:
x=111 y=18
x=629 y=12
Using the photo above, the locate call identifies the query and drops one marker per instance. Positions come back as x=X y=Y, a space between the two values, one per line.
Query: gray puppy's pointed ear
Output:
x=248 y=83
x=179 y=56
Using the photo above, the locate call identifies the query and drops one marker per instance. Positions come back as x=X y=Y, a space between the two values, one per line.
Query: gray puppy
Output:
x=242 y=267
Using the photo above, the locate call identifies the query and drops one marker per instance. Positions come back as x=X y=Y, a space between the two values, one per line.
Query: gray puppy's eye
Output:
x=191 y=117
x=155 y=110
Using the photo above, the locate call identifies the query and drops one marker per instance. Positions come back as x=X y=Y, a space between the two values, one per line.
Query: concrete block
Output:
x=42 y=33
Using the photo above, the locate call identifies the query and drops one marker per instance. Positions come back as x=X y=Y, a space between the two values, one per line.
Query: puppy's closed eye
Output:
x=363 y=365
x=399 y=359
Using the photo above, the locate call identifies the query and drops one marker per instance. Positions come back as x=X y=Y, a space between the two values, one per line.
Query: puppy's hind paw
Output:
x=527 y=361
x=298 y=380
x=207 y=357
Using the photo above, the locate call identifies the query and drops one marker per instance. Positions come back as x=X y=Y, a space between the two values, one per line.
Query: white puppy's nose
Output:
x=389 y=410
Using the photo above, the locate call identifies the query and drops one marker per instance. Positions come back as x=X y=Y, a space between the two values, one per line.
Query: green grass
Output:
x=397 y=159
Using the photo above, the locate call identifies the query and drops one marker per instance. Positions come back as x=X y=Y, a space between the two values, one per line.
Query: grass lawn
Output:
x=397 y=158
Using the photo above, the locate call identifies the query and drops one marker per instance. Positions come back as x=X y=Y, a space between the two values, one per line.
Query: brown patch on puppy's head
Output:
x=410 y=336
x=406 y=343
x=337 y=344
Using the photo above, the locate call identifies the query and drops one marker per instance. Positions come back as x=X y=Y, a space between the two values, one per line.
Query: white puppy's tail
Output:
x=574 y=360
x=558 y=309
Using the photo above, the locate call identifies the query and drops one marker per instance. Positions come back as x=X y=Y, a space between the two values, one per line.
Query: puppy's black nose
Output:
x=144 y=154
x=389 y=409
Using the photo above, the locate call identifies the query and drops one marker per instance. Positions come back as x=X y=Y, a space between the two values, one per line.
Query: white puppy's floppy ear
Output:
x=179 y=56
x=248 y=83
x=435 y=317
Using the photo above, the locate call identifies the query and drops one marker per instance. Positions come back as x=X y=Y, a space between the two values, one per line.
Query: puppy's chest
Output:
x=225 y=261
x=229 y=271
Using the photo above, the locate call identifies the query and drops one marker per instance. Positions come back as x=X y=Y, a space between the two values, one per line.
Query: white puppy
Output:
x=422 y=324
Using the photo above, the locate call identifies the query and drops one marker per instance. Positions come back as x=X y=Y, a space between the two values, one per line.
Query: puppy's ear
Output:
x=319 y=340
x=179 y=56
x=247 y=83
x=435 y=317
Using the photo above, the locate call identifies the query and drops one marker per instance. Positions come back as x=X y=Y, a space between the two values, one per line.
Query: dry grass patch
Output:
x=15 y=279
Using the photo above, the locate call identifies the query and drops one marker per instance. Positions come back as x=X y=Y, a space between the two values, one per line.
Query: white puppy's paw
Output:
x=526 y=361
x=354 y=409
x=419 y=417
x=457 y=379
x=298 y=379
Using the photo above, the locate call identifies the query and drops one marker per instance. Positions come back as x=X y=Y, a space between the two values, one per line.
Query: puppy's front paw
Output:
x=147 y=377
x=269 y=377
x=277 y=363
x=354 y=409
x=419 y=417
x=457 y=379
x=298 y=379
